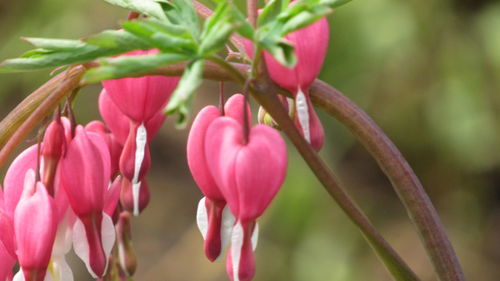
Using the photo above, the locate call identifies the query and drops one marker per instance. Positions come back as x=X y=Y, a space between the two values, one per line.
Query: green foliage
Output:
x=173 y=27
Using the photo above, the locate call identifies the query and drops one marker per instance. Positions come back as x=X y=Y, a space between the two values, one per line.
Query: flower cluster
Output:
x=239 y=168
x=80 y=186
x=67 y=192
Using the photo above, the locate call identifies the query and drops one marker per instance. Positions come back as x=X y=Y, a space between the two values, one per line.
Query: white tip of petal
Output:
x=202 y=218
x=303 y=114
x=255 y=236
x=80 y=245
x=136 y=187
x=226 y=227
x=108 y=236
x=236 y=245
x=62 y=244
x=141 y=139
x=19 y=276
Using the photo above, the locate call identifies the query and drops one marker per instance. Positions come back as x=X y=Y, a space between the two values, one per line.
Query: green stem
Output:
x=405 y=182
x=46 y=104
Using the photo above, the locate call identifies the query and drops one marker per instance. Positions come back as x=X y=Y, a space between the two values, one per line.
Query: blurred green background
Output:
x=428 y=72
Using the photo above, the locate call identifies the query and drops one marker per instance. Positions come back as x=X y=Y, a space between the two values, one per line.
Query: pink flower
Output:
x=35 y=224
x=214 y=220
x=311 y=44
x=249 y=174
x=141 y=100
x=85 y=176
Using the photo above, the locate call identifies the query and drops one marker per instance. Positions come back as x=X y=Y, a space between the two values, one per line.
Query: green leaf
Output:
x=183 y=13
x=150 y=8
x=183 y=94
x=282 y=52
x=335 y=3
x=116 y=39
x=55 y=44
x=159 y=38
x=216 y=38
x=304 y=19
x=112 y=68
x=41 y=58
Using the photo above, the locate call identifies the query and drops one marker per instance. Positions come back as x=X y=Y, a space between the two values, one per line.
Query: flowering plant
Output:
x=79 y=186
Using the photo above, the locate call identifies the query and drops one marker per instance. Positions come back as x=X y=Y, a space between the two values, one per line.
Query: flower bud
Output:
x=128 y=195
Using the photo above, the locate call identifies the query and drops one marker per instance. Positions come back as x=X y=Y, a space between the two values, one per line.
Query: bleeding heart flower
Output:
x=249 y=174
x=214 y=219
x=140 y=99
x=85 y=175
x=35 y=224
x=311 y=44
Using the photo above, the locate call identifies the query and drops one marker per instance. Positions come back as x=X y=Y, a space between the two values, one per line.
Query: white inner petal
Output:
x=19 y=276
x=236 y=245
x=141 y=138
x=136 y=188
x=226 y=227
x=303 y=114
x=202 y=218
x=80 y=245
x=255 y=236
x=108 y=236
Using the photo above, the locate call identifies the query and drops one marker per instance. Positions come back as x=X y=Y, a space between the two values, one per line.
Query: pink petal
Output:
x=311 y=44
x=234 y=109
x=7 y=264
x=196 y=152
x=111 y=197
x=7 y=234
x=85 y=172
x=117 y=122
x=127 y=196
x=14 y=178
x=35 y=229
x=223 y=141
x=141 y=98
x=135 y=159
x=260 y=171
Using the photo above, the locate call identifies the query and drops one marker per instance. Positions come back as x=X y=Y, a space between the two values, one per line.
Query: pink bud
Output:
x=35 y=230
x=127 y=196
x=141 y=98
x=51 y=151
x=311 y=44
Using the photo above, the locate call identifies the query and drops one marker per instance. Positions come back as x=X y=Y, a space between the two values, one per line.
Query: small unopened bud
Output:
x=52 y=150
x=127 y=196
x=265 y=118
x=126 y=253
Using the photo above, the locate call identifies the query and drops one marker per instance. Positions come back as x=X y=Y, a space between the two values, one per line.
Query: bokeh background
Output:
x=428 y=72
